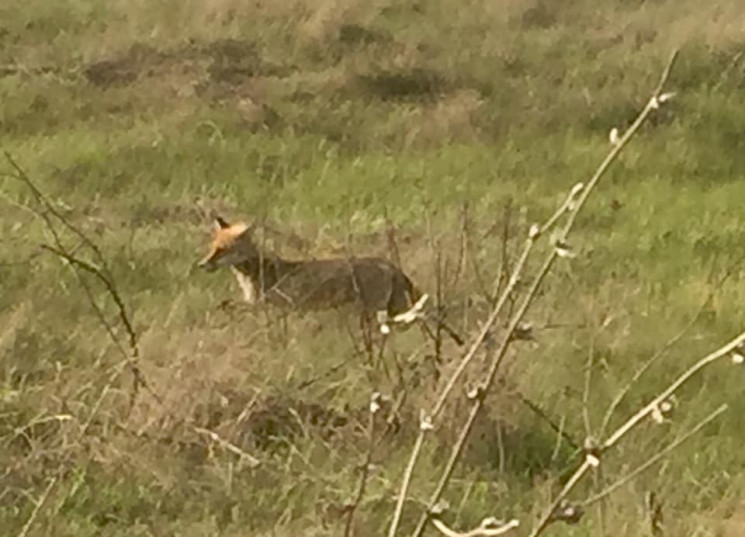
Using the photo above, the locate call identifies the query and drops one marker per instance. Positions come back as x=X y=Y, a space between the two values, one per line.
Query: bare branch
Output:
x=48 y=206
x=592 y=459
x=726 y=350
x=573 y=205
x=547 y=517
x=656 y=458
x=100 y=271
x=489 y=527
x=646 y=365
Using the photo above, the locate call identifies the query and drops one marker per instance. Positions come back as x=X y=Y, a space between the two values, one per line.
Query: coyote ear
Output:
x=220 y=223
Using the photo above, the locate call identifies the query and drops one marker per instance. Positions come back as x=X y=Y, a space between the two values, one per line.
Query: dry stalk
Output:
x=474 y=262
x=442 y=287
x=39 y=504
x=654 y=514
x=504 y=264
x=365 y=473
x=439 y=294
x=390 y=233
x=252 y=461
x=575 y=203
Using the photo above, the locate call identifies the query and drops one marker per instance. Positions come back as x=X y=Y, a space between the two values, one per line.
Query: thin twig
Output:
x=480 y=397
x=365 y=474
x=558 y=428
x=44 y=201
x=101 y=272
x=488 y=528
x=654 y=459
x=439 y=405
x=568 y=487
x=725 y=73
x=671 y=342
x=652 y=105
x=253 y=462
x=646 y=365
x=131 y=359
x=726 y=350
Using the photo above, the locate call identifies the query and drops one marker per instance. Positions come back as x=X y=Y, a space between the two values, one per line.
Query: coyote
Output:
x=373 y=284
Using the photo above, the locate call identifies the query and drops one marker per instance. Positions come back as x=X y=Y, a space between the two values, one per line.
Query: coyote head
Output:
x=231 y=245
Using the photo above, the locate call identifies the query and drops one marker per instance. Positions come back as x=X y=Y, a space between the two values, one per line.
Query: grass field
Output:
x=460 y=124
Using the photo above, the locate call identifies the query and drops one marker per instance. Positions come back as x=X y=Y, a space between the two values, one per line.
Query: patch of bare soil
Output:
x=411 y=84
x=225 y=61
x=139 y=60
x=268 y=425
x=227 y=72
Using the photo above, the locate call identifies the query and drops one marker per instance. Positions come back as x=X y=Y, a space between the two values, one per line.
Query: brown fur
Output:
x=372 y=283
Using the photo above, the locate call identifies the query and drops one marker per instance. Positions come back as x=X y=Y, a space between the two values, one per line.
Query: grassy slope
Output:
x=138 y=116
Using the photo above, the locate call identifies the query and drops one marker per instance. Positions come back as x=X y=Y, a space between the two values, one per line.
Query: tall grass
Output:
x=327 y=118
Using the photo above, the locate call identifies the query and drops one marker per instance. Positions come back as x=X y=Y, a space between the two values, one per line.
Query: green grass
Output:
x=138 y=118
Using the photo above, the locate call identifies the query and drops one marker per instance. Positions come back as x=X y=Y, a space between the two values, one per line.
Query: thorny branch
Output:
x=130 y=359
